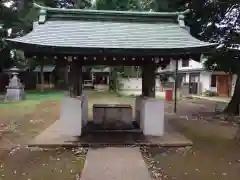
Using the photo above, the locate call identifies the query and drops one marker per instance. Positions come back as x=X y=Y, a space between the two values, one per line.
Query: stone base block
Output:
x=138 y=104
x=152 y=117
x=111 y=114
x=14 y=94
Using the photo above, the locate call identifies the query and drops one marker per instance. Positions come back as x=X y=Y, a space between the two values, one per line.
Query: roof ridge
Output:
x=110 y=12
x=46 y=13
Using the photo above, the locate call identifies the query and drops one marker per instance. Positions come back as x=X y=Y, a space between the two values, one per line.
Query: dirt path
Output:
x=39 y=164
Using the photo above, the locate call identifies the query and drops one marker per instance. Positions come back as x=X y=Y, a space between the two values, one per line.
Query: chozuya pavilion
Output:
x=78 y=37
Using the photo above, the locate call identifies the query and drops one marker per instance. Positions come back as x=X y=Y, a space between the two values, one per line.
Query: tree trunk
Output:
x=233 y=105
x=42 y=77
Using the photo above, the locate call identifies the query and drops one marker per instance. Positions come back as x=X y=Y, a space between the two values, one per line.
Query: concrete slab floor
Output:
x=57 y=135
x=112 y=163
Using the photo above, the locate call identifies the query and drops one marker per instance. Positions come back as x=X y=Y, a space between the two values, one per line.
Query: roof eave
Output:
x=204 y=49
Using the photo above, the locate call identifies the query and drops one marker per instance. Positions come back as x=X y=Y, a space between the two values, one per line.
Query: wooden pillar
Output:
x=144 y=85
x=148 y=80
x=176 y=86
x=72 y=79
x=80 y=81
x=50 y=80
x=76 y=79
x=37 y=81
x=66 y=69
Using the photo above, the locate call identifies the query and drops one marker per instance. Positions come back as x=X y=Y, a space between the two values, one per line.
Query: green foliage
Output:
x=118 y=5
x=148 y=5
x=18 y=18
x=163 y=5
x=133 y=5
x=80 y=4
x=209 y=93
x=140 y=5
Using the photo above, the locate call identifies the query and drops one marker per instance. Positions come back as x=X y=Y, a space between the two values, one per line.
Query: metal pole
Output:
x=175 y=87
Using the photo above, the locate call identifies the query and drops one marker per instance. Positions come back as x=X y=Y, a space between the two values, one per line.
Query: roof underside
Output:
x=61 y=32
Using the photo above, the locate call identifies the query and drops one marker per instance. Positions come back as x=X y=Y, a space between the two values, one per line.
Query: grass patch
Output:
x=20 y=121
x=32 y=99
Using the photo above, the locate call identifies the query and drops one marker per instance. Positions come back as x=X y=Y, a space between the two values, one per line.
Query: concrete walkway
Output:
x=217 y=99
x=111 y=163
x=57 y=135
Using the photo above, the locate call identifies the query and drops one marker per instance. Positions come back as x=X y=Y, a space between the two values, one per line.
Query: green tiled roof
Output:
x=110 y=29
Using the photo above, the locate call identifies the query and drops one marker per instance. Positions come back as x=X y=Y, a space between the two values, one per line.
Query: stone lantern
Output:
x=15 y=89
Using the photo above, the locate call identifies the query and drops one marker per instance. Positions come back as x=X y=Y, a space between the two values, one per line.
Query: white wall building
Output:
x=193 y=72
x=192 y=75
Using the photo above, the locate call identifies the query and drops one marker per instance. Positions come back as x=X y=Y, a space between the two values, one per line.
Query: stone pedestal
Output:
x=15 y=89
x=152 y=117
x=71 y=116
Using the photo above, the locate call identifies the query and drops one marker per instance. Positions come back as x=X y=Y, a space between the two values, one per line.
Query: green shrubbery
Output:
x=209 y=93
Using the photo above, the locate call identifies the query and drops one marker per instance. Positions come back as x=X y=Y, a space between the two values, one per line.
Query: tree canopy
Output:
x=11 y=24
x=218 y=21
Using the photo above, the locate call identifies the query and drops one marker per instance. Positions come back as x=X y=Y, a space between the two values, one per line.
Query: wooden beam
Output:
x=115 y=60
